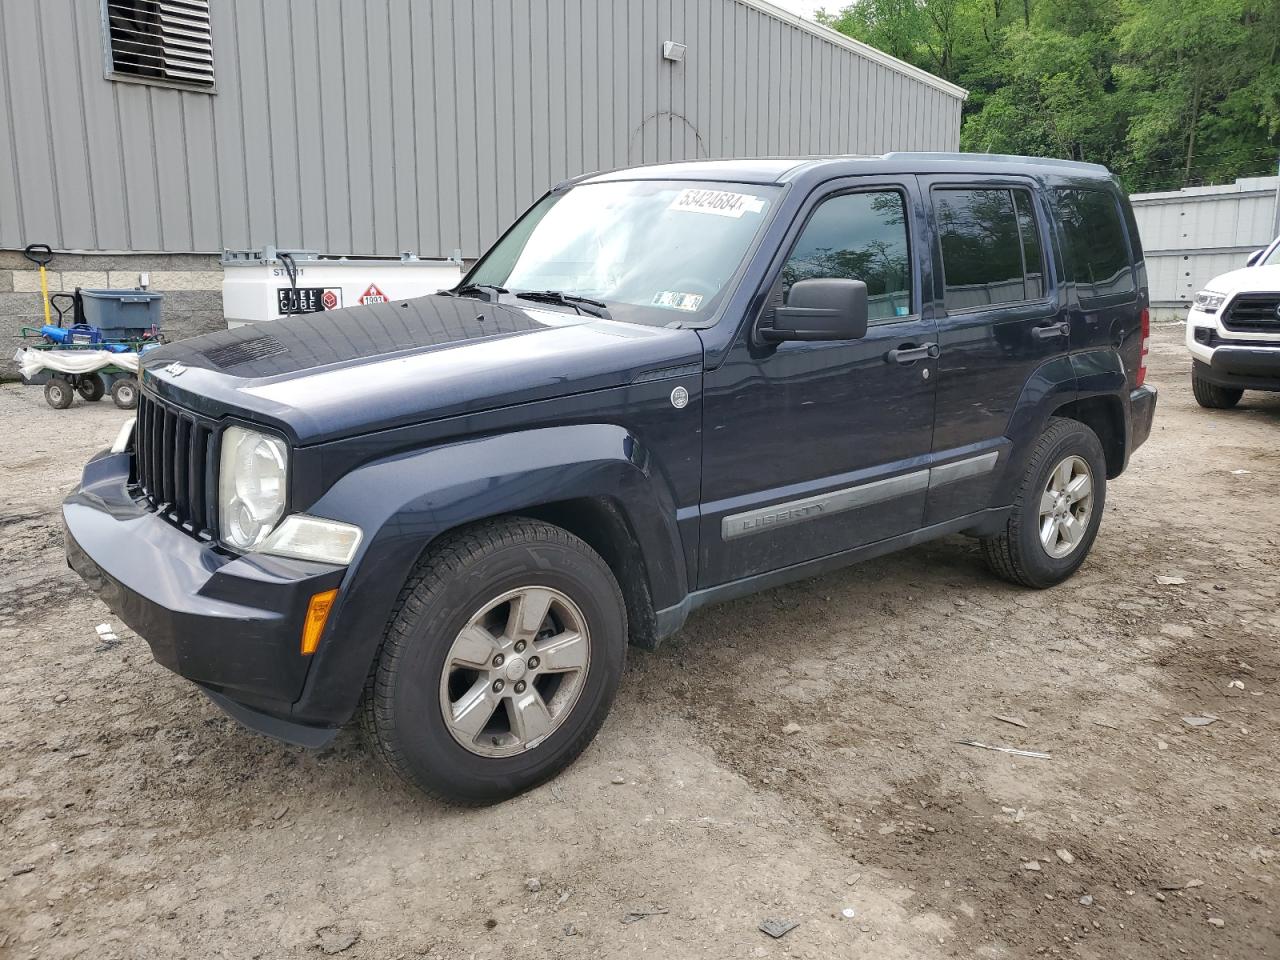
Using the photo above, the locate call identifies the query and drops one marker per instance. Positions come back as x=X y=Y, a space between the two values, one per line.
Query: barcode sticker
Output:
x=721 y=203
x=678 y=301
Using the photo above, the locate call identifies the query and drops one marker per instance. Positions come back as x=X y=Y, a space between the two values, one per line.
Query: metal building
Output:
x=168 y=130
x=375 y=126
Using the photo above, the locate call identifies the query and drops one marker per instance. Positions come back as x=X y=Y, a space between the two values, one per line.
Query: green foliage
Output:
x=1165 y=92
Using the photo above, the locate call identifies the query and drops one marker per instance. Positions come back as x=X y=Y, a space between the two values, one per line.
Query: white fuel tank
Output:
x=256 y=285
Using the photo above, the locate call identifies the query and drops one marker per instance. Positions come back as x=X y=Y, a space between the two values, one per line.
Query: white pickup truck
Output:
x=1233 y=332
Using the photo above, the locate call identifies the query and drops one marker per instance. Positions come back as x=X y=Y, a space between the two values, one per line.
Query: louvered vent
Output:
x=166 y=40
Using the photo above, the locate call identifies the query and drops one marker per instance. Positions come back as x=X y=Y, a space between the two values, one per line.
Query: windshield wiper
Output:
x=471 y=289
x=582 y=304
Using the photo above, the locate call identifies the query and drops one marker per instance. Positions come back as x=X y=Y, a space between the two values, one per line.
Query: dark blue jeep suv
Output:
x=663 y=387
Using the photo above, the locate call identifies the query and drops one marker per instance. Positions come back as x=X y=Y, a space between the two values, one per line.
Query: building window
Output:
x=858 y=236
x=1096 y=244
x=991 y=250
x=159 y=41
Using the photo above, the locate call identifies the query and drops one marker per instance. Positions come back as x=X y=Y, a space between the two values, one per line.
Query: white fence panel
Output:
x=1192 y=235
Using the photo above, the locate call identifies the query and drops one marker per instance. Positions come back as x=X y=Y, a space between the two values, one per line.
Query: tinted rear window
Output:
x=1095 y=243
x=991 y=250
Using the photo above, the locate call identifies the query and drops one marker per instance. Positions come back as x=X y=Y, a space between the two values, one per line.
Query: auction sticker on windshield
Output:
x=721 y=203
x=678 y=301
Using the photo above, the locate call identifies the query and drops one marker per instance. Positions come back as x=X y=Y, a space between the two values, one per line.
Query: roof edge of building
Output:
x=858 y=47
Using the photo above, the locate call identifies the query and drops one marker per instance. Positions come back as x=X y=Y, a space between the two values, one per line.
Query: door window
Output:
x=1096 y=244
x=991 y=249
x=858 y=236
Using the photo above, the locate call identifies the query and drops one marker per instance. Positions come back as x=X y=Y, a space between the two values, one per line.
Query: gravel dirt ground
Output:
x=786 y=756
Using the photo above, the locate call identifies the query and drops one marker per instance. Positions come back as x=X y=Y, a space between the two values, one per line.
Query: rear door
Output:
x=1001 y=316
x=1104 y=265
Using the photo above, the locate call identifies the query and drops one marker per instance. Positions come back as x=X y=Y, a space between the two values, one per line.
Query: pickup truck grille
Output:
x=1253 y=311
x=173 y=465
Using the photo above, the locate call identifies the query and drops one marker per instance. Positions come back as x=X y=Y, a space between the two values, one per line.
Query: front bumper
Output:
x=1232 y=359
x=231 y=624
x=1245 y=368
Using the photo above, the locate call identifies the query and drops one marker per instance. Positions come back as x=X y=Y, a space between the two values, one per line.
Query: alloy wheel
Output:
x=1065 y=507
x=515 y=671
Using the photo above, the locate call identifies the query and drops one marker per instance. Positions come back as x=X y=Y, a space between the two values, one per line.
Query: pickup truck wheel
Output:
x=1057 y=511
x=499 y=664
x=1212 y=396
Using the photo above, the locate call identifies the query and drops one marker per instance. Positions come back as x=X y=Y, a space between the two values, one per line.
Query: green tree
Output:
x=1165 y=92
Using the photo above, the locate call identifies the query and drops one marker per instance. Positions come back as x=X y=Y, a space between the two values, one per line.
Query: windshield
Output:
x=652 y=251
x=1272 y=259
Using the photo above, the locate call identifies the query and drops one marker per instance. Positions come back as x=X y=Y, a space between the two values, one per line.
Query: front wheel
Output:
x=1057 y=511
x=1213 y=397
x=499 y=664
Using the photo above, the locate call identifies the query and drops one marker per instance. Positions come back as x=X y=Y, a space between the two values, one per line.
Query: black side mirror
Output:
x=1255 y=257
x=820 y=310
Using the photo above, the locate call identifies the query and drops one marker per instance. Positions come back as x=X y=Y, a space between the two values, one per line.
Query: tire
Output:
x=416 y=678
x=91 y=388
x=1020 y=554
x=59 y=393
x=1213 y=397
x=124 y=392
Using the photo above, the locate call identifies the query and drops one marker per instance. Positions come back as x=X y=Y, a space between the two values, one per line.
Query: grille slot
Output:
x=1253 y=312
x=172 y=464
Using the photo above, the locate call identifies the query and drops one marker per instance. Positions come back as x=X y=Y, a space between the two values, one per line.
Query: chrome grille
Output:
x=1257 y=312
x=173 y=467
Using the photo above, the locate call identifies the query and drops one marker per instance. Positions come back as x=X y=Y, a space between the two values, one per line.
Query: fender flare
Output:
x=406 y=501
x=1051 y=385
x=1063 y=380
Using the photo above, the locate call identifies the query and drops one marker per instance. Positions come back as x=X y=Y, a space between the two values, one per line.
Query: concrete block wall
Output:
x=191 y=284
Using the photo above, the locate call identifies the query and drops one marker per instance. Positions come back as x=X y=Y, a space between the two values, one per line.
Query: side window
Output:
x=1095 y=243
x=1032 y=250
x=858 y=236
x=991 y=249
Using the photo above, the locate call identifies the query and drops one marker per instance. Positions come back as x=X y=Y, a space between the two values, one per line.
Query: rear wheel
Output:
x=1057 y=511
x=1212 y=396
x=91 y=387
x=499 y=664
x=59 y=393
x=124 y=392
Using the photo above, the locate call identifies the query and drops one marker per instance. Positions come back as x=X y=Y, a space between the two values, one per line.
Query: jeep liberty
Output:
x=663 y=387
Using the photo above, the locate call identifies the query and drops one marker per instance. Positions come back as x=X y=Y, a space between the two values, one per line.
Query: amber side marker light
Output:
x=317 y=615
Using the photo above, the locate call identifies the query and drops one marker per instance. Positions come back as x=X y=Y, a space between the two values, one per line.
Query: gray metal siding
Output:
x=1190 y=236
x=375 y=126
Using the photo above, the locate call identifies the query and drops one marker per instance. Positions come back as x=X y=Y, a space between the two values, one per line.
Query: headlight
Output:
x=1208 y=301
x=251 y=486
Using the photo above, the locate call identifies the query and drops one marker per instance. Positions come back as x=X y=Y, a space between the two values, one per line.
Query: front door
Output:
x=811 y=449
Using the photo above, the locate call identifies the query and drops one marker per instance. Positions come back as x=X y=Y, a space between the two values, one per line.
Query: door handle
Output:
x=1062 y=329
x=909 y=353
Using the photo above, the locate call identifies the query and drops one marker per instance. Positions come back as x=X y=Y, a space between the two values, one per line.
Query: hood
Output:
x=328 y=375
x=1247 y=280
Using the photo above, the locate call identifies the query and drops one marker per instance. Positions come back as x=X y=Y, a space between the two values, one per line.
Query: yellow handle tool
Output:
x=40 y=254
x=44 y=292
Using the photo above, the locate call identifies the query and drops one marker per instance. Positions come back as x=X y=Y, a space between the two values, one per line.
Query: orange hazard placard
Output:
x=373 y=295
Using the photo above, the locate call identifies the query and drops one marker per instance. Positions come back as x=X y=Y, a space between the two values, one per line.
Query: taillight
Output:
x=1146 y=346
